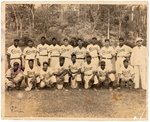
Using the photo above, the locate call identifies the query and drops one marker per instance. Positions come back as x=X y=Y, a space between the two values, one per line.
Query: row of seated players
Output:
x=75 y=76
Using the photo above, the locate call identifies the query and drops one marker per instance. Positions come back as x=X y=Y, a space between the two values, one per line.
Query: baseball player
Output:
x=61 y=73
x=75 y=72
x=31 y=75
x=89 y=72
x=43 y=52
x=14 y=77
x=105 y=77
x=139 y=62
x=66 y=51
x=107 y=53
x=14 y=54
x=126 y=75
x=80 y=52
x=93 y=50
x=46 y=76
x=54 y=50
x=29 y=52
x=122 y=52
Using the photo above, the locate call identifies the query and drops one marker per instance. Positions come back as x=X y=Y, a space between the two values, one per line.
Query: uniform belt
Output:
x=30 y=59
x=106 y=58
x=95 y=57
x=67 y=57
x=120 y=56
x=14 y=58
x=43 y=55
x=88 y=74
x=55 y=56
x=80 y=58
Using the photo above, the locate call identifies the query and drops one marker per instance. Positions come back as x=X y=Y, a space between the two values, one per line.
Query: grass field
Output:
x=76 y=104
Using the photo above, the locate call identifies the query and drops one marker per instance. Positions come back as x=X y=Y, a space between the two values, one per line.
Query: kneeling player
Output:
x=106 y=78
x=126 y=75
x=46 y=76
x=31 y=75
x=88 y=72
x=14 y=77
x=75 y=72
x=61 y=73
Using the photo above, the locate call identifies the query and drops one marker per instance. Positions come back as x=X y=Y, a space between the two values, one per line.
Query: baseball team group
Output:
x=64 y=66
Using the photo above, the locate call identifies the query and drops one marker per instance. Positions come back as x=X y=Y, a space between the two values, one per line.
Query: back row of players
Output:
x=91 y=65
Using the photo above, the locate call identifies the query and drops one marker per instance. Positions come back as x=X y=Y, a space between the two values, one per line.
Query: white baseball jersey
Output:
x=30 y=72
x=101 y=72
x=14 y=52
x=74 y=67
x=45 y=74
x=54 y=50
x=80 y=53
x=11 y=74
x=87 y=68
x=93 y=50
x=66 y=51
x=126 y=72
x=107 y=52
x=30 y=53
x=123 y=51
x=43 y=50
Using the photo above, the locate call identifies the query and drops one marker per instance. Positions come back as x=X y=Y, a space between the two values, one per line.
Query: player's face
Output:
x=107 y=43
x=125 y=64
x=94 y=41
x=103 y=66
x=31 y=64
x=45 y=66
x=73 y=58
x=139 y=43
x=121 y=43
x=54 y=41
x=88 y=59
x=61 y=62
x=43 y=41
x=16 y=43
x=80 y=43
x=66 y=42
x=30 y=44
x=16 y=66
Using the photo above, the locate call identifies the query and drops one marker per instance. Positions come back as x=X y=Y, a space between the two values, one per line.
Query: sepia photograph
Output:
x=75 y=60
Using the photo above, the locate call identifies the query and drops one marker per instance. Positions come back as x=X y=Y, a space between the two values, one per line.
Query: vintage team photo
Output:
x=75 y=61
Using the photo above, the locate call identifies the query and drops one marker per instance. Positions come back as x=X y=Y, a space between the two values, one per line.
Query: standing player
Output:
x=61 y=73
x=14 y=54
x=14 y=76
x=139 y=62
x=122 y=52
x=46 y=76
x=107 y=53
x=80 y=52
x=29 y=53
x=89 y=72
x=75 y=72
x=54 y=50
x=66 y=51
x=93 y=50
x=126 y=75
x=31 y=74
x=43 y=52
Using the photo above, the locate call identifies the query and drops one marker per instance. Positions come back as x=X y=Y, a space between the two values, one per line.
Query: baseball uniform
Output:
x=29 y=53
x=107 y=55
x=54 y=54
x=14 y=76
x=122 y=53
x=66 y=52
x=139 y=62
x=94 y=50
x=80 y=55
x=43 y=53
x=15 y=54
x=74 y=67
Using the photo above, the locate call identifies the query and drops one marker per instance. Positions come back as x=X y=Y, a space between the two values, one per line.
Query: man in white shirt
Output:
x=126 y=75
x=66 y=51
x=29 y=52
x=94 y=50
x=139 y=62
x=54 y=50
x=14 y=77
x=31 y=75
x=43 y=52
x=106 y=54
x=122 y=52
x=80 y=52
x=14 y=54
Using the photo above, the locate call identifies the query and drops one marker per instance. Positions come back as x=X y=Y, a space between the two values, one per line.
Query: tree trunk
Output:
x=16 y=20
x=108 y=25
x=20 y=28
